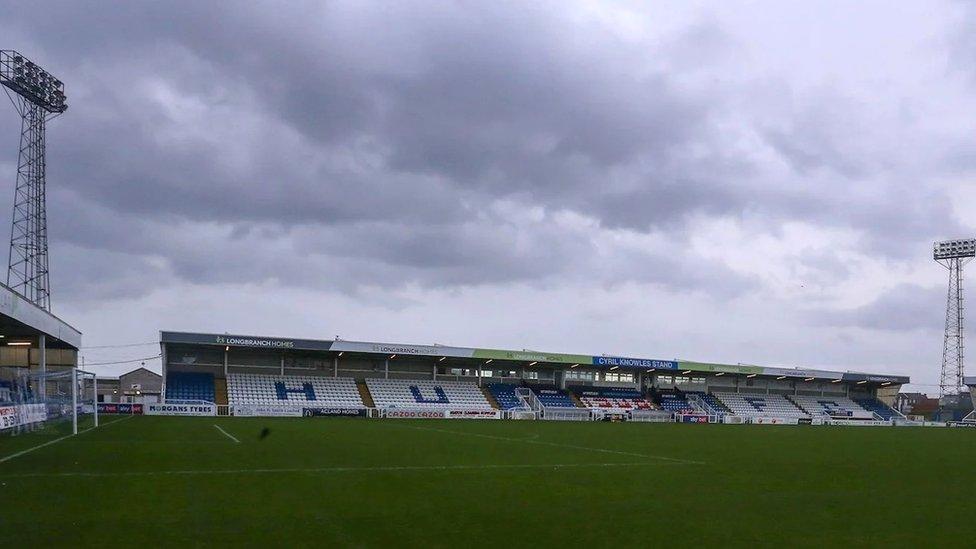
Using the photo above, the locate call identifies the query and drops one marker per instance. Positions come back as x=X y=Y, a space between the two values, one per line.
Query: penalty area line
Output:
x=228 y=435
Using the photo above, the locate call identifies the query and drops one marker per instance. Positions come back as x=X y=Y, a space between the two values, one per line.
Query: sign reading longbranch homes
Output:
x=180 y=410
x=402 y=349
x=255 y=342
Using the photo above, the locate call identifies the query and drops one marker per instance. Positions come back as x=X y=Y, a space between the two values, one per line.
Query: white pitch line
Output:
x=378 y=469
x=230 y=436
x=59 y=439
x=558 y=445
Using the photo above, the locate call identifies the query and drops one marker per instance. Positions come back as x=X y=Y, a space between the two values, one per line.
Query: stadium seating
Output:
x=264 y=389
x=504 y=393
x=878 y=407
x=612 y=398
x=189 y=386
x=550 y=397
x=408 y=393
x=751 y=405
x=674 y=402
x=713 y=401
x=827 y=406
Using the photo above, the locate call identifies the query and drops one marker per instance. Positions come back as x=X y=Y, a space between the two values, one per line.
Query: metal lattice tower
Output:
x=954 y=255
x=38 y=97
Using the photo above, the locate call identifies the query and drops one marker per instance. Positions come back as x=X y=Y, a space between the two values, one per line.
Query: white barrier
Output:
x=22 y=414
x=774 y=421
x=651 y=416
x=856 y=423
x=566 y=414
x=472 y=414
x=420 y=413
x=254 y=410
x=180 y=409
x=414 y=414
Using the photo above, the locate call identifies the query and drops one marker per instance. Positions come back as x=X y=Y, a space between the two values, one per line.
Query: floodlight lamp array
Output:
x=953 y=249
x=31 y=82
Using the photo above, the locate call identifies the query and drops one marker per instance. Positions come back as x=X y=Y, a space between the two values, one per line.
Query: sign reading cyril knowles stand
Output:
x=180 y=410
x=634 y=362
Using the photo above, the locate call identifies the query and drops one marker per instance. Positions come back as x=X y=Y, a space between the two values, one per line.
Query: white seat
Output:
x=261 y=389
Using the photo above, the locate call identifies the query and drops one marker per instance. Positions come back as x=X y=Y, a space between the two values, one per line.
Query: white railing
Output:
x=528 y=398
x=702 y=405
x=652 y=416
x=566 y=414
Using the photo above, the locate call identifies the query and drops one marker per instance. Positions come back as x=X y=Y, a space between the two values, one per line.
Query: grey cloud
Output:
x=902 y=308
x=365 y=144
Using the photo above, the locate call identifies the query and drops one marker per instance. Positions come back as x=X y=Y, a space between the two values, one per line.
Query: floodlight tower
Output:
x=38 y=97
x=953 y=255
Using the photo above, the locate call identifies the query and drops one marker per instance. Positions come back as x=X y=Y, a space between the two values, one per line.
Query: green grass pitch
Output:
x=167 y=481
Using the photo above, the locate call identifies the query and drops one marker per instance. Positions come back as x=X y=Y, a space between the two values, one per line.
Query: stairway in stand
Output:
x=364 y=394
x=491 y=398
x=220 y=391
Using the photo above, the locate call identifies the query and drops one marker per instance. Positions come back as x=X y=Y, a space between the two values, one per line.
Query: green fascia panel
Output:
x=532 y=356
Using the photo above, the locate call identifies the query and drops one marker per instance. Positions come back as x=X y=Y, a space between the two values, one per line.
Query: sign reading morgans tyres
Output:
x=180 y=410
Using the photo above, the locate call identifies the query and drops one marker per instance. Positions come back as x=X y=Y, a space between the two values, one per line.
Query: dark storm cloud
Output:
x=344 y=144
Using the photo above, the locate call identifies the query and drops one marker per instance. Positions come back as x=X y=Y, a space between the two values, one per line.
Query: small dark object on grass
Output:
x=264 y=433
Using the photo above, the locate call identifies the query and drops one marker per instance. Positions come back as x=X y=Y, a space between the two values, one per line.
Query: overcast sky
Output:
x=729 y=181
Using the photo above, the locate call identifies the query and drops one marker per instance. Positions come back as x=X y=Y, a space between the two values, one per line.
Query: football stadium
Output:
x=264 y=440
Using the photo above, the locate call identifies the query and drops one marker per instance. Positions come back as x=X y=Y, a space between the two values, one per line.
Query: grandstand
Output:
x=278 y=390
x=764 y=406
x=612 y=398
x=504 y=394
x=454 y=395
x=255 y=375
x=675 y=402
x=833 y=406
x=554 y=398
x=190 y=386
x=885 y=412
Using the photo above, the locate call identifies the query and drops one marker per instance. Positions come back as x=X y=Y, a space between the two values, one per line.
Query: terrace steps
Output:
x=220 y=391
x=491 y=398
x=364 y=394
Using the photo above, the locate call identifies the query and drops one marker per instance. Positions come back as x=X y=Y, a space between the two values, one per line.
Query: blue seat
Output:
x=190 y=386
